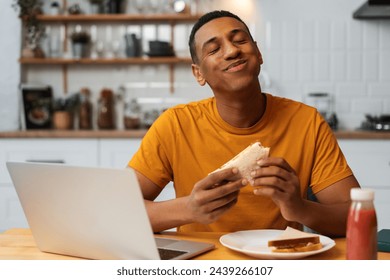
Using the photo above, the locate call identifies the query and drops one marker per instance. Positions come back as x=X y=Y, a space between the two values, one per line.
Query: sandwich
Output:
x=293 y=240
x=246 y=161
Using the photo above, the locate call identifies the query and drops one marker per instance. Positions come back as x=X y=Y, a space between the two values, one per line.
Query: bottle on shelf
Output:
x=362 y=226
x=132 y=114
x=85 y=109
x=106 y=110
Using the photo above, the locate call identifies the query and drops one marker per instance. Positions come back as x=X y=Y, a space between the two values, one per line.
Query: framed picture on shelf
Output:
x=37 y=106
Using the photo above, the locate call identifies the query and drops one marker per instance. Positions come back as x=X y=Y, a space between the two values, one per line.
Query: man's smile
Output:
x=236 y=66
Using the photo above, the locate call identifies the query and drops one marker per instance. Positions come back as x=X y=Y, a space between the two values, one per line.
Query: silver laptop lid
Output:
x=88 y=212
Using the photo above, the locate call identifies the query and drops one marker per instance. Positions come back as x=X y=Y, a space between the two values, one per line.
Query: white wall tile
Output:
x=354 y=35
x=274 y=35
x=366 y=106
x=351 y=90
x=386 y=107
x=379 y=90
x=289 y=66
x=371 y=35
x=384 y=65
x=306 y=35
x=305 y=66
x=342 y=105
x=273 y=64
x=322 y=35
x=338 y=35
x=354 y=66
x=371 y=65
x=322 y=66
x=384 y=33
x=291 y=89
x=338 y=66
x=289 y=35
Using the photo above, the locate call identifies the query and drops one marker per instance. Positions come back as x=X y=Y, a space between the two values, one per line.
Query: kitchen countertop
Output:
x=18 y=244
x=132 y=133
x=139 y=133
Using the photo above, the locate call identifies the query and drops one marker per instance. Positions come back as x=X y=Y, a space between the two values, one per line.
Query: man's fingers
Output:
x=220 y=177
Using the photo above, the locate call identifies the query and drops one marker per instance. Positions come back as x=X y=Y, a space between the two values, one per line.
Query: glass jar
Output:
x=362 y=226
x=106 y=110
x=132 y=114
x=85 y=109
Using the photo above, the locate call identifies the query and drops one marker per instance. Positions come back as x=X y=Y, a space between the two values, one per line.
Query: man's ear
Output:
x=198 y=75
x=259 y=56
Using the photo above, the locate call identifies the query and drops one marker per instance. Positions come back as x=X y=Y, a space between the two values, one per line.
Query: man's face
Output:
x=228 y=59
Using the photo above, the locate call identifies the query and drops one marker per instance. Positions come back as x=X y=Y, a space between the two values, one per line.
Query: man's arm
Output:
x=330 y=213
x=210 y=198
x=279 y=181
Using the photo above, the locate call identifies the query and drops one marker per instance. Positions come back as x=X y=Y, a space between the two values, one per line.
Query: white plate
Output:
x=255 y=243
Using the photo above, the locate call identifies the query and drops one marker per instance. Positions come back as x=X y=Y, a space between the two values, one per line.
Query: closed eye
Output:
x=214 y=50
x=240 y=41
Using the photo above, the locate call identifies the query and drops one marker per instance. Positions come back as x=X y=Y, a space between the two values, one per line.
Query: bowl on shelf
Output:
x=160 y=48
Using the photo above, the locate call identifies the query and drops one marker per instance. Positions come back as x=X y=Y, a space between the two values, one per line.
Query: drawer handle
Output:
x=46 y=160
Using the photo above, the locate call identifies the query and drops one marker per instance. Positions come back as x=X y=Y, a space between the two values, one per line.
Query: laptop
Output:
x=93 y=213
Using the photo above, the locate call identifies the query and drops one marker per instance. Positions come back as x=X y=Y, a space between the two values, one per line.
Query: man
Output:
x=189 y=141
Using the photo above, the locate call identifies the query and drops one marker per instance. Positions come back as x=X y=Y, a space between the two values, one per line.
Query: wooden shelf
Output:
x=126 y=61
x=67 y=20
x=170 y=18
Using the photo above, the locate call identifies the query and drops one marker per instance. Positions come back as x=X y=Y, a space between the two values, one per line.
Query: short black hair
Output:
x=205 y=19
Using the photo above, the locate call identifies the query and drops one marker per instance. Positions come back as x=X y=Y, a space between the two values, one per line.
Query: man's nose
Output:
x=231 y=51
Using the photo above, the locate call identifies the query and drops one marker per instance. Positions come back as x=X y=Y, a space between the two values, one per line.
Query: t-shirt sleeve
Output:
x=152 y=159
x=330 y=165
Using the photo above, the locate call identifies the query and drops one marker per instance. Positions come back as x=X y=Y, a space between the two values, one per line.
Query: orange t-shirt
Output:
x=189 y=141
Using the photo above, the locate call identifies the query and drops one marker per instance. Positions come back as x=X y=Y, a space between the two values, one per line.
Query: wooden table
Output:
x=18 y=244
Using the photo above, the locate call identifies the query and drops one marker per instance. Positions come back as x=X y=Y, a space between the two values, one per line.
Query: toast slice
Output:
x=293 y=240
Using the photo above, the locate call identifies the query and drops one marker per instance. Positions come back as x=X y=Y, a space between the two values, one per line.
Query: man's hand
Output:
x=277 y=180
x=214 y=195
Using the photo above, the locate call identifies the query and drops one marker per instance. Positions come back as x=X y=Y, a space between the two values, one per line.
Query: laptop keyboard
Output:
x=168 y=254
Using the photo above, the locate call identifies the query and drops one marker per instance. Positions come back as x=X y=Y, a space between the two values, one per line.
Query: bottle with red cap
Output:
x=362 y=226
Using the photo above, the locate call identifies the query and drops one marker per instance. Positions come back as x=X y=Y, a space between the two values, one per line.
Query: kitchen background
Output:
x=308 y=46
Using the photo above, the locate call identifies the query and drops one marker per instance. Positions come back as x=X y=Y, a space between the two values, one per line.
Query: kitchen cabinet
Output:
x=66 y=21
x=370 y=162
x=95 y=152
x=116 y=153
x=73 y=152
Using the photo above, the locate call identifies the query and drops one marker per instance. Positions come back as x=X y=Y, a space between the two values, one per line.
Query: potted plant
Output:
x=64 y=110
x=80 y=42
x=34 y=30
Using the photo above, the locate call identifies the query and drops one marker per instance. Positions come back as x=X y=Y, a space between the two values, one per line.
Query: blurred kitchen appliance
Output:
x=376 y=123
x=37 y=106
x=373 y=9
x=324 y=104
